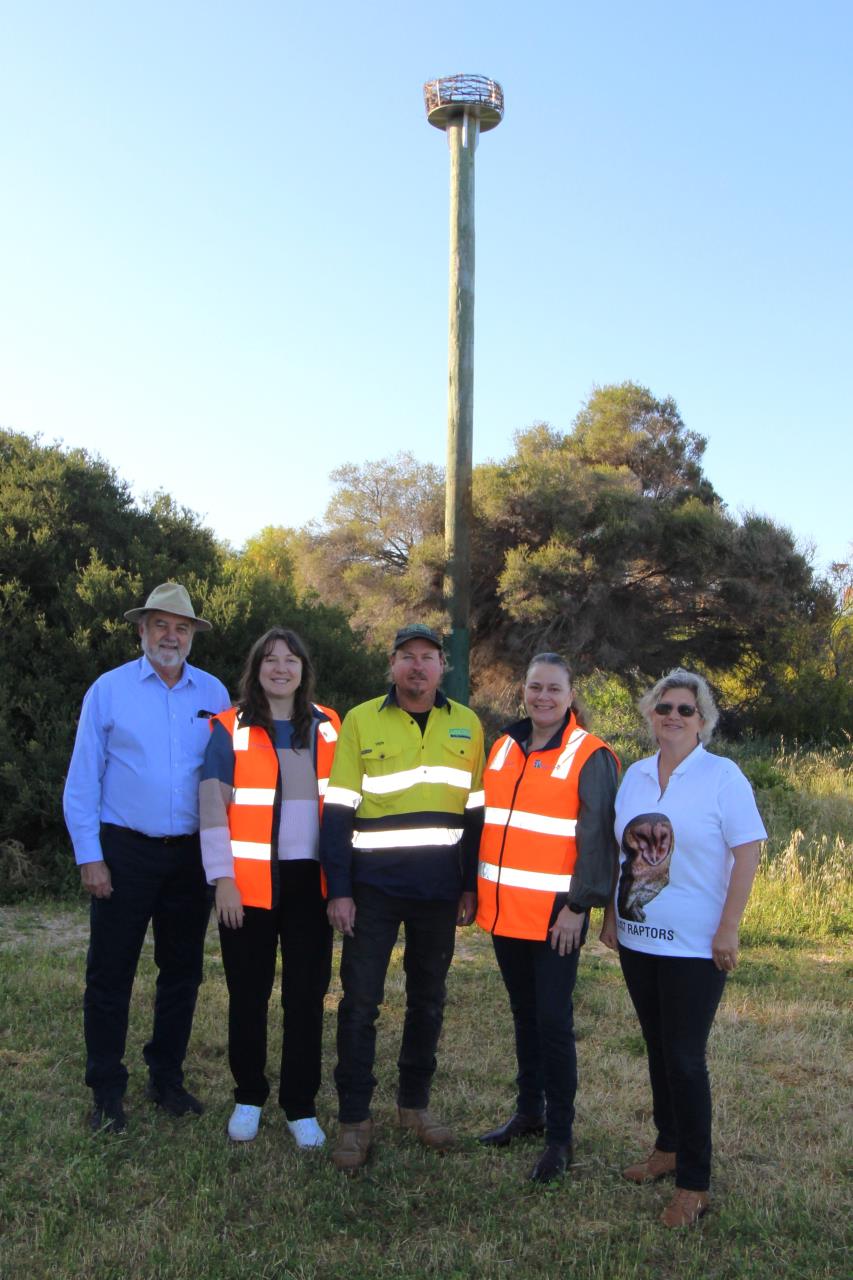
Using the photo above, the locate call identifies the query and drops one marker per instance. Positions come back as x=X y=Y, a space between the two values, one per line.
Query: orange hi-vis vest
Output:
x=255 y=794
x=528 y=848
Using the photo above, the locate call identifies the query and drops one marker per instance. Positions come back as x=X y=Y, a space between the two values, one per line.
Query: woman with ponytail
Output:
x=547 y=855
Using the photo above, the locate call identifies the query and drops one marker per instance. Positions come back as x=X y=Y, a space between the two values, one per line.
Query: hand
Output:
x=566 y=931
x=96 y=879
x=724 y=948
x=609 y=935
x=341 y=913
x=229 y=903
x=467 y=907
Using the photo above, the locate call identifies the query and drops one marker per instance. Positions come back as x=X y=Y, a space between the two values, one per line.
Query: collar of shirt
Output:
x=146 y=671
x=521 y=731
x=391 y=699
x=649 y=765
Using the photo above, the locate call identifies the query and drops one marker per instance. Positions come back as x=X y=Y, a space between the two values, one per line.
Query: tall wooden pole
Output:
x=464 y=106
x=462 y=135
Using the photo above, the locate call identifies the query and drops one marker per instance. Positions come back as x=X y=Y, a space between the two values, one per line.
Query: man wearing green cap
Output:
x=131 y=808
x=399 y=840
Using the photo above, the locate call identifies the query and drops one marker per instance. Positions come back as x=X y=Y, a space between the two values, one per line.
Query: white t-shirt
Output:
x=675 y=851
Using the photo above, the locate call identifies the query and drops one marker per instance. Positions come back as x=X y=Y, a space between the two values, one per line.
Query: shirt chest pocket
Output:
x=458 y=763
x=385 y=776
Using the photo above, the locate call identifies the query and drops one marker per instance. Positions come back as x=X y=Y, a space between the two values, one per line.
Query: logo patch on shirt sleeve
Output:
x=461 y=733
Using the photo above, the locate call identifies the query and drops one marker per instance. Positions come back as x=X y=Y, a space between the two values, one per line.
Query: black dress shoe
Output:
x=552 y=1163
x=107 y=1116
x=517 y=1126
x=174 y=1099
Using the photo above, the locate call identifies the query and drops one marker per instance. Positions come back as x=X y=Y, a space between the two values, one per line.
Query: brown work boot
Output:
x=353 y=1144
x=685 y=1208
x=657 y=1165
x=427 y=1128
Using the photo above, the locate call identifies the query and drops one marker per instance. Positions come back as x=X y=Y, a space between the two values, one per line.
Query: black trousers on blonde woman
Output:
x=676 y=998
x=299 y=928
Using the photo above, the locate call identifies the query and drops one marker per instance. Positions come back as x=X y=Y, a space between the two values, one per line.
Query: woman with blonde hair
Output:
x=690 y=837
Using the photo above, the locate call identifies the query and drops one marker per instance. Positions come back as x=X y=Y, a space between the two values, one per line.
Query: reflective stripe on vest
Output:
x=567 y=755
x=500 y=759
x=518 y=879
x=250 y=849
x=530 y=822
x=253 y=795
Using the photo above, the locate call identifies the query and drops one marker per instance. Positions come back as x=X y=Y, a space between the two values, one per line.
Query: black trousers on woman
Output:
x=676 y=999
x=298 y=925
x=540 y=984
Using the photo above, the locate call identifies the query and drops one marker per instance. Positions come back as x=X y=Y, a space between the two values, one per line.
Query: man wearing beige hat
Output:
x=131 y=808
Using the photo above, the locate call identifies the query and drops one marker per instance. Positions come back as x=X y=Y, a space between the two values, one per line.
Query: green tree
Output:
x=625 y=427
x=75 y=553
x=379 y=553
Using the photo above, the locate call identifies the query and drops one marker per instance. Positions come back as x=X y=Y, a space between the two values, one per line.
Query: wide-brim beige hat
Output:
x=169 y=597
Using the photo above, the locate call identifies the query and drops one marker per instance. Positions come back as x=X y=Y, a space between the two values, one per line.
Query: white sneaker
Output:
x=243 y=1125
x=307 y=1132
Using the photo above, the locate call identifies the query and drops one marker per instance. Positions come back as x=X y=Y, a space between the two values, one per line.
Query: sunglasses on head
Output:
x=684 y=709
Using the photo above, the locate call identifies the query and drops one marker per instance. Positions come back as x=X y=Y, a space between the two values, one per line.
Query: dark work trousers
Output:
x=430 y=936
x=540 y=983
x=154 y=880
x=299 y=926
x=676 y=999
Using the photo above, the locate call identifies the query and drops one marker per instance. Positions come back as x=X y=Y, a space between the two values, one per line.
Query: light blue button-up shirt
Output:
x=138 y=754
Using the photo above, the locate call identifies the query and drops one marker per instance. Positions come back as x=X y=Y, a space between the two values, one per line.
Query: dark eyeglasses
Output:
x=684 y=709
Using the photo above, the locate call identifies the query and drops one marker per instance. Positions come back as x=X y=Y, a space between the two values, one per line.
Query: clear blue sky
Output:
x=223 y=238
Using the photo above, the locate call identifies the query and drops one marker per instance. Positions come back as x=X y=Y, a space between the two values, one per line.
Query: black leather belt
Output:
x=140 y=835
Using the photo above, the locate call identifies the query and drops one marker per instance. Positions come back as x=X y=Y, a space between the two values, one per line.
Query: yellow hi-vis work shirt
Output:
x=403 y=810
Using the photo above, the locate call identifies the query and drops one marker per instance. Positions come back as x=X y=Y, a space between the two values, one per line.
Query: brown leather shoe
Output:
x=353 y=1145
x=656 y=1165
x=685 y=1208
x=427 y=1128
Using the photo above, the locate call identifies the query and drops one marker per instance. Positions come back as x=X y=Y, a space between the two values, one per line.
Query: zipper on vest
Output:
x=503 y=842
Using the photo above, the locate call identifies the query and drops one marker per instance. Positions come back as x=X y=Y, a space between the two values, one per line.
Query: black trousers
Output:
x=160 y=881
x=540 y=984
x=676 y=999
x=430 y=936
x=298 y=925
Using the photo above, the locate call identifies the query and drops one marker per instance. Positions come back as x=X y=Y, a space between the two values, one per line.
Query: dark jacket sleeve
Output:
x=475 y=812
x=592 y=878
x=472 y=830
x=342 y=798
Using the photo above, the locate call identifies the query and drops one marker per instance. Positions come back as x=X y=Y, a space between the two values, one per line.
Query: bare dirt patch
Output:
x=44 y=927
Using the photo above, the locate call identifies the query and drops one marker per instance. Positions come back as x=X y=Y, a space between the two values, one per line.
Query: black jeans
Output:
x=676 y=999
x=430 y=933
x=540 y=983
x=298 y=925
x=161 y=882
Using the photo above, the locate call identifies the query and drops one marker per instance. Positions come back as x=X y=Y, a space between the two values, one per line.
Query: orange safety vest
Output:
x=256 y=785
x=528 y=848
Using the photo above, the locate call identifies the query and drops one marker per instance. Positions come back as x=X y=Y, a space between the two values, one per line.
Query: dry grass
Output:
x=175 y=1199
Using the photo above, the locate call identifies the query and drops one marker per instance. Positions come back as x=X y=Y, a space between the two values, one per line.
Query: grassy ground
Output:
x=174 y=1199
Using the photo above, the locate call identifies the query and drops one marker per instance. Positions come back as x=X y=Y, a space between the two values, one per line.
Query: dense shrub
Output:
x=75 y=553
